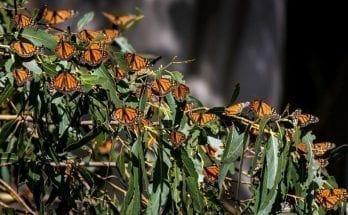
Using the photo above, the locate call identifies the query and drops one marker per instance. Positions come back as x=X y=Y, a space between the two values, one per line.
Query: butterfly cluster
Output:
x=85 y=89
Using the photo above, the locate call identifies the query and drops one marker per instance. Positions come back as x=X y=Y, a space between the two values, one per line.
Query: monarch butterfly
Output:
x=201 y=118
x=119 y=73
x=329 y=198
x=23 y=49
x=119 y=20
x=65 y=50
x=162 y=86
x=139 y=127
x=211 y=151
x=177 y=138
x=322 y=162
x=180 y=92
x=87 y=35
x=110 y=34
x=22 y=21
x=21 y=75
x=136 y=62
x=105 y=147
x=211 y=172
x=261 y=108
x=126 y=115
x=53 y=17
x=303 y=119
x=65 y=82
x=94 y=55
x=236 y=109
x=319 y=149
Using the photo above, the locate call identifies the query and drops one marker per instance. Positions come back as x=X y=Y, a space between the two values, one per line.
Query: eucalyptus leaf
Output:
x=87 y=18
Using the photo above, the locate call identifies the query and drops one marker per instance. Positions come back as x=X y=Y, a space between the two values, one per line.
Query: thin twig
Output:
x=16 y=196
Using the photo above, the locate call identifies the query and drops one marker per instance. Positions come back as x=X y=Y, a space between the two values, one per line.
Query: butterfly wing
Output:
x=119 y=73
x=65 y=50
x=180 y=92
x=53 y=17
x=23 y=49
x=94 y=55
x=125 y=115
x=21 y=75
x=236 y=109
x=201 y=118
x=177 y=138
x=65 y=82
x=261 y=108
x=136 y=62
x=22 y=21
x=319 y=149
x=162 y=86
x=211 y=172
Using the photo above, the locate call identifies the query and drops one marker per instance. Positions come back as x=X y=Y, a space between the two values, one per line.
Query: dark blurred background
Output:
x=280 y=51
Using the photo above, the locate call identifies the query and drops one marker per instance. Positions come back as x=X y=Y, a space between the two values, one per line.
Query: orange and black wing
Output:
x=125 y=115
x=319 y=149
x=53 y=17
x=22 y=21
x=136 y=62
x=236 y=109
x=211 y=172
x=21 y=75
x=306 y=119
x=177 y=138
x=119 y=73
x=119 y=20
x=261 y=108
x=88 y=35
x=23 y=49
x=94 y=55
x=110 y=35
x=65 y=82
x=180 y=92
x=162 y=86
x=201 y=118
x=329 y=198
x=65 y=50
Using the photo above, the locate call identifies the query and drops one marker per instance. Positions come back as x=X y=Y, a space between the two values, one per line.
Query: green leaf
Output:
x=154 y=203
x=197 y=199
x=6 y=93
x=40 y=38
x=8 y=65
x=6 y=130
x=188 y=164
x=88 y=17
x=234 y=147
x=88 y=137
x=33 y=66
x=271 y=160
x=8 y=157
x=235 y=94
x=124 y=44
